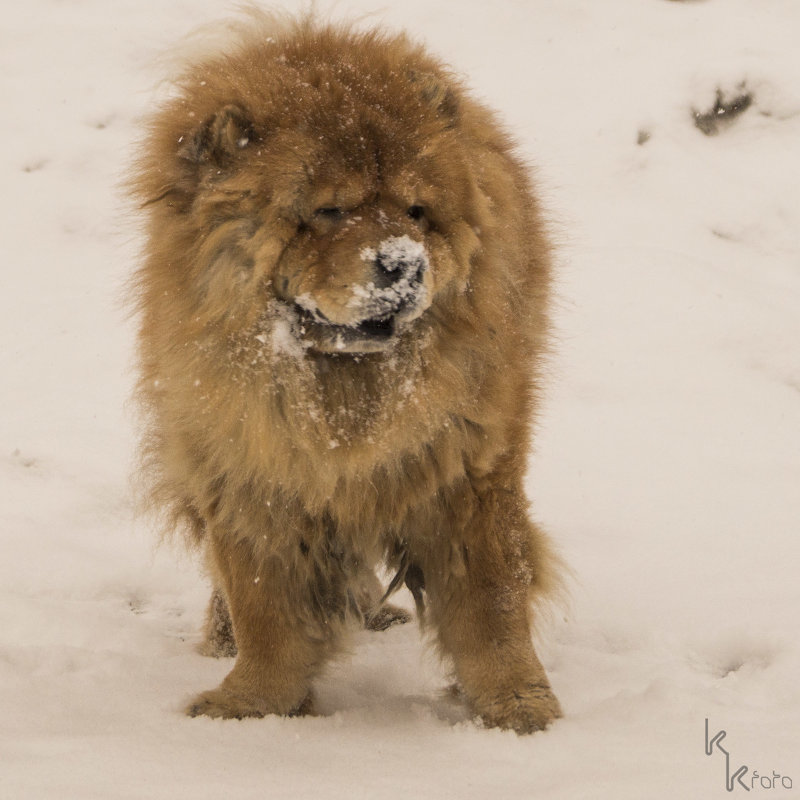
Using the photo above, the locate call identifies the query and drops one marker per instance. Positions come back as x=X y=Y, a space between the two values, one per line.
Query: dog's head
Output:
x=324 y=175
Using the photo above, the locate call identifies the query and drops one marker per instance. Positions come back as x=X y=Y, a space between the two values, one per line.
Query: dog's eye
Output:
x=415 y=212
x=328 y=212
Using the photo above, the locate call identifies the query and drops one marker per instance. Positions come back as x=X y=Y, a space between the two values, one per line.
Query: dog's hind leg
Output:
x=218 y=639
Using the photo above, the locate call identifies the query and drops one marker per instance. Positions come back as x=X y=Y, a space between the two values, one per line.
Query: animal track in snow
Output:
x=727 y=107
x=736 y=655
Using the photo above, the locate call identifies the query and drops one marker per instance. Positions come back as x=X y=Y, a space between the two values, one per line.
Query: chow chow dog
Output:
x=343 y=312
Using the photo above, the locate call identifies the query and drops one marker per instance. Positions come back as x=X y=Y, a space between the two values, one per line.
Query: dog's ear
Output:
x=219 y=138
x=436 y=94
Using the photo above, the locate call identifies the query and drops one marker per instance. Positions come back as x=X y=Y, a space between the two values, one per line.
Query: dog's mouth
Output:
x=377 y=327
x=371 y=335
x=366 y=317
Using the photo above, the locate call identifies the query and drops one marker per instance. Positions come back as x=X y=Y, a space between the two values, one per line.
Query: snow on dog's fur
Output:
x=343 y=308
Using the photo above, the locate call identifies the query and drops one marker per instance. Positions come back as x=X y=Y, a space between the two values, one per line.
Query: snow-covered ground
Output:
x=667 y=465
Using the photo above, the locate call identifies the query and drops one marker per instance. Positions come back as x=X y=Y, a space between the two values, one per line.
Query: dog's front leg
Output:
x=278 y=653
x=480 y=602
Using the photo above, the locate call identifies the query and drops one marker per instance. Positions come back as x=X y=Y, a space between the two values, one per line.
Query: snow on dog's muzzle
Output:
x=398 y=289
x=394 y=294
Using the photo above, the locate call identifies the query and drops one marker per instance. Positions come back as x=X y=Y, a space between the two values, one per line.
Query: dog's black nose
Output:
x=390 y=269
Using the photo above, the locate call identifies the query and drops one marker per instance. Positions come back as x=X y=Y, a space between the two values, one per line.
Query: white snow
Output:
x=282 y=330
x=666 y=467
x=410 y=259
x=397 y=252
x=306 y=301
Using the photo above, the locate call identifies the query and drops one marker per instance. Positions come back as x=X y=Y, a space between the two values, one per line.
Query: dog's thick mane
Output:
x=325 y=432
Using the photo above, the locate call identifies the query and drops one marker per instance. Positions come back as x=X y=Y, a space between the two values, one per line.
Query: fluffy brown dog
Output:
x=343 y=311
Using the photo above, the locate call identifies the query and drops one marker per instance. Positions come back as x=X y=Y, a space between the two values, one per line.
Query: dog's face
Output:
x=352 y=208
x=357 y=272
x=357 y=268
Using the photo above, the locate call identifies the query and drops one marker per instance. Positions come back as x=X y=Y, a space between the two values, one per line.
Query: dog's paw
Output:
x=527 y=709
x=224 y=703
